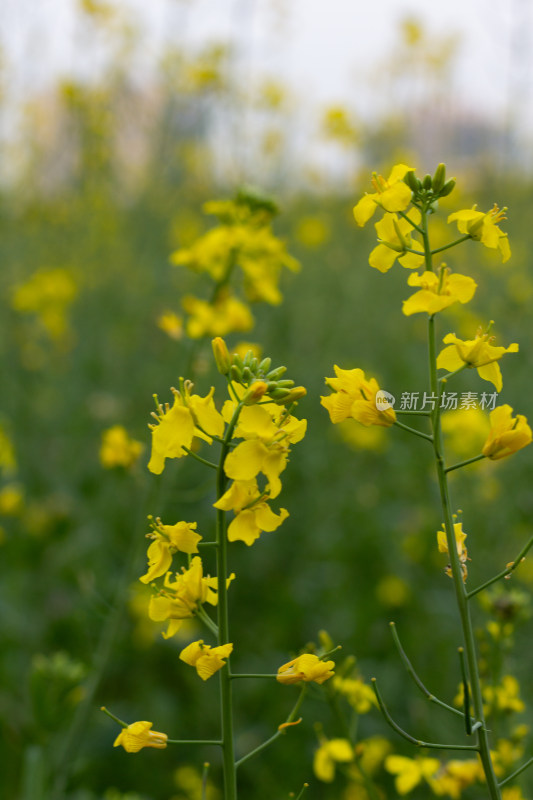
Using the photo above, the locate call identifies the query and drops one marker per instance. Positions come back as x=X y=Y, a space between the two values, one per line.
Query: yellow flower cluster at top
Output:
x=403 y=234
x=241 y=256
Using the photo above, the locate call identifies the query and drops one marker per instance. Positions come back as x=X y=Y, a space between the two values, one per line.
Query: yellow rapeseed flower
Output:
x=205 y=658
x=478 y=353
x=483 y=227
x=394 y=235
x=354 y=396
x=138 y=735
x=253 y=515
x=225 y=315
x=507 y=433
x=438 y=292
x=391 y=194
x=118 y=449
x=169 y=539
x=410 y=771
x=460 y=537
x=328 y=754
x=306 y=667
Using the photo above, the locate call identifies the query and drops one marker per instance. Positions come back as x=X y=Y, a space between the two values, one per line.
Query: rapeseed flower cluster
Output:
x=243 y=260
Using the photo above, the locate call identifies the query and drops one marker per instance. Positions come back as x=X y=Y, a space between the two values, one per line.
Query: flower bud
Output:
x=275 y=374
x=427 y=182
x=222 y=357
x=292 y=395
x=255 y=392
x=235 y=373
x=412 y=181
x=439 y=178
x=264 y=366
x=447 y=188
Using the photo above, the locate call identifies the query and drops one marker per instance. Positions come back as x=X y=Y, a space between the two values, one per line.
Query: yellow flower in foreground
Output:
x=507 y=433
x=189 y=416
x=355 y=396
x=139 y=735
x=169 y=539
x=484 y=228
x=410 y=771
x=394 y=236
x=306 y=667
x=391 y=194
x=205 y=658
x=118 y=449
x=328 y=754
x=460 y=537
x=179 y=599
x=436 y=294
x=253 y=514
x=477 y=353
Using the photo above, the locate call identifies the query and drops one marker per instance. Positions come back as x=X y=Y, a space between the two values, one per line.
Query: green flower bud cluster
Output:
x=430 y=189
x=261 y=380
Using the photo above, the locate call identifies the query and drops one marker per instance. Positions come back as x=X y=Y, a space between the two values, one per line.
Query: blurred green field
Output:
x=358 y=549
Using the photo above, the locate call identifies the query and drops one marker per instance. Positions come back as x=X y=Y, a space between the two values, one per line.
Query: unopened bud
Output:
x=264 y=366
x=248 y=358
x=448 y=188
x=255 y=393
x=291 y=396
x=412 y=181
x=235 y=373
x=222 y=357
x=439 y=178
x=275 y=374
x=427 y=182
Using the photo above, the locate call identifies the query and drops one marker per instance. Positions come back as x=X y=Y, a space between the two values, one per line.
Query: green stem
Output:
x=226 y=704
x=199 y=458
x=517 y=772
x=281 y=730
x=432 y=745
x=413 y=430
x=464 y=463
x=410 y=669
x=195 y=741
x=410 y=221
x=456 y=567
x=504 y=572
x=451 y=244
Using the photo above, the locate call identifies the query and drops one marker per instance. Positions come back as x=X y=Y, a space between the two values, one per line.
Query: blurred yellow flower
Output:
x=477 y=353
x=118 y=449
x=483 y=227
x=455 y=776
x=306 y=667
x=465 y=430
x=205 y=658
x=410 y=771
x=438 y=292
x=8 y=461
x=47 y=293
x=358 y=694
x=337 y=126
x=225 y=315
x=354 y=396
x=11 y=499
x=312 y=232
x=507 y=433
x=391 y=194
x=504 y=697
x=171 y=324
x=328 y=754
x=138 y=735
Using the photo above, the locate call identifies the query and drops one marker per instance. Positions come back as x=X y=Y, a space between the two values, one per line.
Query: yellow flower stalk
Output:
x=507 y=433
x=391 y=194
x=478 y=353
x=138 y=735
x=438 y=292
x=306 y=667
x=330 y=753
x=483 y=227
x=206 y=659
x=355 y=397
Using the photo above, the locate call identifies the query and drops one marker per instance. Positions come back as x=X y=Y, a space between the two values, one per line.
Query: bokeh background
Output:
x=118 y=122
